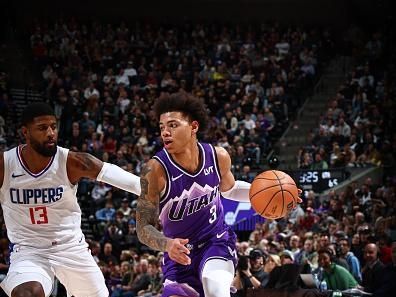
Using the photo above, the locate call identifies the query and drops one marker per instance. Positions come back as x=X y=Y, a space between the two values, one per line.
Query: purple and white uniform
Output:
x=190 y=207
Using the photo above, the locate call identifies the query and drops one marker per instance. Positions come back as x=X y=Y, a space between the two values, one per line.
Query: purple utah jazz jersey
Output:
x=190 y=206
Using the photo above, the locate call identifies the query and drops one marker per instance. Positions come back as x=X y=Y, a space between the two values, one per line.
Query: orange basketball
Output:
x=273 y=194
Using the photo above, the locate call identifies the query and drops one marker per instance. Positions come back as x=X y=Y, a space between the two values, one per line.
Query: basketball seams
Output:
x=281 y=186
x=259 y=191
x=266 y=188
x=269 y=202
x=267 y=178
x=264 y=191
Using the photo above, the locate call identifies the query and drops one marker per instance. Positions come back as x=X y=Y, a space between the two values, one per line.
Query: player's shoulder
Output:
x=153 y=167
x=221 y=153
x=154 y=173
x=75 y=157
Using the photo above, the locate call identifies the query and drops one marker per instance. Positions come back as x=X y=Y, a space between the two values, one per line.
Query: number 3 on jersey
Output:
x=213 y=217
x=38 y=215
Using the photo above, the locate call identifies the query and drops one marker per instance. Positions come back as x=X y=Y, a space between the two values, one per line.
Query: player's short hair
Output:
x=34 y=110
x=192 y=107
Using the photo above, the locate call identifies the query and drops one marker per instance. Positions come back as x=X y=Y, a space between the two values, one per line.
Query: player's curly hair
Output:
x=190 y=106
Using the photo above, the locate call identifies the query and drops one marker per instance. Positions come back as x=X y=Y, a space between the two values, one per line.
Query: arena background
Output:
x=16 y=18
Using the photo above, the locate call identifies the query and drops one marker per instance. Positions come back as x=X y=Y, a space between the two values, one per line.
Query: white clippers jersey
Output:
x=40 y=210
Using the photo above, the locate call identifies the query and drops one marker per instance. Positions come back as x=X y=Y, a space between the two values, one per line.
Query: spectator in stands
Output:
x=85 y=124
x=95 y=247
x=319 y=163
x=126 y=277
x=387 y=285
x=124 y=208
x=296 y=214
x=140 y=282
x=385 y=249
x=107 y=255
x=98 y=194
x=307 y=255
x=131 y=239
x=250 y=273
x=373 y=270
x=294 y=245
x=107 y=213
x=154 y=272
x=336 y=277
x=353 y=262
x=286 y=257
x=246 y=174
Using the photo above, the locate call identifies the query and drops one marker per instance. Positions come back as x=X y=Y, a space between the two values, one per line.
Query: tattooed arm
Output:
x=153 y=181
x=85 y=165
x=81 y=165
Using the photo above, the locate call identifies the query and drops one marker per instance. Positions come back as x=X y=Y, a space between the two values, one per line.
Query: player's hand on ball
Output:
x=177 y=250
x=273 y=194
x=299 y=200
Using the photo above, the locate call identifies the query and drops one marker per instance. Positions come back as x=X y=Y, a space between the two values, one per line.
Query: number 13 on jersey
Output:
x=38 y=215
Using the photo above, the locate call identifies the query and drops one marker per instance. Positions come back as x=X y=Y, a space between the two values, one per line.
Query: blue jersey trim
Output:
x=35 y=175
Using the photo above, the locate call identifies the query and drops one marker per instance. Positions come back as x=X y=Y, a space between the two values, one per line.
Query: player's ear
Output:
x=24 y=131
x=195 y=127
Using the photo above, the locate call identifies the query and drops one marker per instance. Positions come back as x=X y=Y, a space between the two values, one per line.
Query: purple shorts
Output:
x=220 y=246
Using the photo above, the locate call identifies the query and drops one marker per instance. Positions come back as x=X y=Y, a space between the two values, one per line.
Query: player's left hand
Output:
x=177 y=251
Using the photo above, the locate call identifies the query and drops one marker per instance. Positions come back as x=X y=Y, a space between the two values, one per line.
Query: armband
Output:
x=239 y=192
x=116 y=176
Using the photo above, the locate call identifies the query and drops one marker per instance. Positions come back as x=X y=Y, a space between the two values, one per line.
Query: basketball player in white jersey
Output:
x=38 y=184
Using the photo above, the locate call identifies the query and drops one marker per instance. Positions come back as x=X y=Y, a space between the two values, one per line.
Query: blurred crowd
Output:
x=357 y=127
x=345 y=240
x=102 y=80
x=6 y=106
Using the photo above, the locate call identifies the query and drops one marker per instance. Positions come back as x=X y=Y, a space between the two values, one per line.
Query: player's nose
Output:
x=165 y=132
x=51 y=132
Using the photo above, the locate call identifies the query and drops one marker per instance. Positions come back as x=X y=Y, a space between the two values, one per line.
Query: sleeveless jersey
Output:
x=40 y=210
x=190 y=206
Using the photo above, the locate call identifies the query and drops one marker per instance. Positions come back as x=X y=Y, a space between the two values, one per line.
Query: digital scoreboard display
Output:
x=318 y=180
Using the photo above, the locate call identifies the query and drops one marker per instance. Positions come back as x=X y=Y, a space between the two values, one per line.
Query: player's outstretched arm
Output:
x=81 y=165
x=1 y=168
x=229 y=187
x=152 y=180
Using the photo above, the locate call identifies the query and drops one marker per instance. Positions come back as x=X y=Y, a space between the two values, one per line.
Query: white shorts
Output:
x=73 y=265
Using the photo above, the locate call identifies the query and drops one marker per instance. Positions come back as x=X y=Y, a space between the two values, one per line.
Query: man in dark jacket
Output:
x=388 y=284
x=372 y=272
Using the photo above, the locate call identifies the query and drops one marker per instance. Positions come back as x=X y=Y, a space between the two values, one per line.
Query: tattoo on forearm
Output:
x=147 y=216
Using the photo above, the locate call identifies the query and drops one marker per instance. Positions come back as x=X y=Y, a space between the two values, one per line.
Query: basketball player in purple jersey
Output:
x=183 y=184
x=38 y=185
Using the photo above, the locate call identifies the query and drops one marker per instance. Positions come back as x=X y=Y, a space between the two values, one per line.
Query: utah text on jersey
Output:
x=189 y=205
